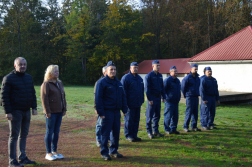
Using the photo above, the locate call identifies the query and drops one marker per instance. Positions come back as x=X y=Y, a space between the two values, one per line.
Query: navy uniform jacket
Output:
x=190 y=85
x=209 y=87
x=110 y=96
x=172 y=89
x=154 y=85
x=134 y=89
x=202 y=77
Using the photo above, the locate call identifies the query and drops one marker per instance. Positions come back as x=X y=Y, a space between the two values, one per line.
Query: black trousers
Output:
x=19 y=128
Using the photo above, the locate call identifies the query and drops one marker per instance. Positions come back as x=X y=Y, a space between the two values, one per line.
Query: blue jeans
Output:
x=191 y=112
x=131 y=124
x=98 y=129
x=52 y=132
x=171 y=117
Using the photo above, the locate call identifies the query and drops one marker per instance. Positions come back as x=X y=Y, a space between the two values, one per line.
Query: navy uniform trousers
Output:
x=171 y=116
x=132 y=119
x=153 y=112
x=191 y=112
x=207 y=111
x=111 y=123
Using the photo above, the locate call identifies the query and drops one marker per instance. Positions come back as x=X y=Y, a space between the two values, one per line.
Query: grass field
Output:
x=229 y=145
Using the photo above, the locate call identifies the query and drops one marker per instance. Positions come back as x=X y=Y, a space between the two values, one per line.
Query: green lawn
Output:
x=229 y=145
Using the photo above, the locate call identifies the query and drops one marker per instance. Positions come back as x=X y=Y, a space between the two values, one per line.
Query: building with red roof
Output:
x=181 y=64
x=230 y=60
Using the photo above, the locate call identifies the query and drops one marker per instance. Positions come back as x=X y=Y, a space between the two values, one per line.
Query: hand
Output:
x=205 y=102
x=124 y=114
x=163 y=100
x=64 y=113
x=34 y=112
x=8 y=116
x=102 y=117
x=151 y=102
x=48 y=115
x=218 y=101
x=96 y=111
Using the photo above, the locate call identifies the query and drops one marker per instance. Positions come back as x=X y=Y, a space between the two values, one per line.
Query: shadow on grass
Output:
x=169 y=160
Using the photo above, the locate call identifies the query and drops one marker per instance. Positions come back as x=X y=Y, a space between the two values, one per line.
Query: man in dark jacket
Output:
x=18 y=97
x=209 y=95
x=190 y=89
x=134 y=89
x=98 y=124
x=154 y=89
x=110 y=99
x=172 y=89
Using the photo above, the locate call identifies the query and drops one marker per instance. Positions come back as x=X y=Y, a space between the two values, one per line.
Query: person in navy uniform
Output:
x=154 y=90
x=209 y=95
x=110 y=99
x=134 y=89
x=172 y=89
x=98 y=124
x=190 y=89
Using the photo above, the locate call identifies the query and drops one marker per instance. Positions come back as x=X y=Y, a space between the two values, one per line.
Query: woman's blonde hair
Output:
x=48 y=73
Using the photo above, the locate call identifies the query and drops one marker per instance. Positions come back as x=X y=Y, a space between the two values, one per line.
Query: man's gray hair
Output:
x=18 y=59
x=104 y=69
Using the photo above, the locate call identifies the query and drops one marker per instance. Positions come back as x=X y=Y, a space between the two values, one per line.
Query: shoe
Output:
x=137 y=138
x=158 y=134
x=186 y=130
x=98 y=144
x=168 y=132
x=57 y=155
x=130 y=139
x=172 y=132
x=116 y=155
x=50 y=157
x=176 y=132
x=212 y=127
x=150 y=135
x=26 y=161
x=205 y=128
x=106 y=157
x=14 y=163
x=195 y=129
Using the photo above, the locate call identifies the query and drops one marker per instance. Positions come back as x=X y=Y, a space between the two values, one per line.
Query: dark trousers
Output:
x=191 y=112
x=19 y=128
x=52 y=131
x=171 y=116
x=132 y=122
x=110 y=128
x=153 y=112
x=207 y=112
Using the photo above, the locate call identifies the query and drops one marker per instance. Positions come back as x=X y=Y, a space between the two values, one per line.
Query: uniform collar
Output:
x=154 y=72
x=192 y=75
x=133 y=75
x=111 y=80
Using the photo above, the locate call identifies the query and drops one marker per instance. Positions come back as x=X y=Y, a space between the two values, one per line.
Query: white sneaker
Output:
x=50 y=158
x=58 y=156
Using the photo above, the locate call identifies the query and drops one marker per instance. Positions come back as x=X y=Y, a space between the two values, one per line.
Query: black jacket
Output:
x=17 y=92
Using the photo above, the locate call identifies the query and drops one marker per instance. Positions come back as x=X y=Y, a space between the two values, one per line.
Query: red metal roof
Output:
x=165 y=64
x=236 y=47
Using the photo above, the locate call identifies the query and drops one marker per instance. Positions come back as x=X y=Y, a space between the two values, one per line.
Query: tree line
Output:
x=81 y=36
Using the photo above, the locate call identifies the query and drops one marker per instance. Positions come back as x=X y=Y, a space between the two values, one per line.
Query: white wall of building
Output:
x=233 y=77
